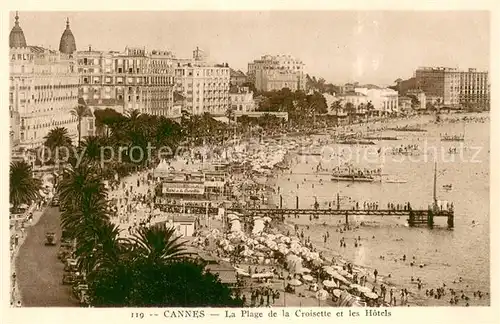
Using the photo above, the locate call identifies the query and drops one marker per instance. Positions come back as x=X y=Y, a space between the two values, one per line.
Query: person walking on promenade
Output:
x=375 y=273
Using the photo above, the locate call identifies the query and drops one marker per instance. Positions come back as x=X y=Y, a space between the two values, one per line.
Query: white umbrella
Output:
x=322 y=294
x=330 y=271
x=364 y=289
x=307 y=277
x=305 y=270
x=337 y=292
x=329 y=283
x=371 y=295
x=295 y=282
x=354 y=286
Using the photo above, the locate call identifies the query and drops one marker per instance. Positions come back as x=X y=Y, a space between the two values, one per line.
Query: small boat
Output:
x=356 y=142
x=381 y=138
x=353 y=178
x=447 y=186
x=395 y=181
x=407 y=129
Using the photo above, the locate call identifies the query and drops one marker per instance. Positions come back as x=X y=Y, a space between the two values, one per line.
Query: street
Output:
x=39 y=272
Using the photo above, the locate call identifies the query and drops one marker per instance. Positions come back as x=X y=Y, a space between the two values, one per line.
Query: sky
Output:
x=341 y=46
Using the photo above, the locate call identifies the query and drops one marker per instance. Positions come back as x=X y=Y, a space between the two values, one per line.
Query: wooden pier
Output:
x=414 y=217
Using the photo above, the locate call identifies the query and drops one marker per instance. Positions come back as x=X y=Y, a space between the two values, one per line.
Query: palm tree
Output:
x=24 y=188
x=57 y=137
x=158 y=244
x=351 y=110
x=79 y=112
x=99 y=247
x=78 y=183
x=85 y=214
x=336 y=106
x=369 y=109
x=92 y=151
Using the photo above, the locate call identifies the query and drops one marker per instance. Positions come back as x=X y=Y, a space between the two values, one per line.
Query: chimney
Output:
x=90 y=48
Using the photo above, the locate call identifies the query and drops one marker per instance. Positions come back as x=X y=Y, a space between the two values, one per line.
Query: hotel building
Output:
x=452 y=87
x=130 y=80
x=204 y=86
x=43 y=88
x=271 y=73
x=241 y=99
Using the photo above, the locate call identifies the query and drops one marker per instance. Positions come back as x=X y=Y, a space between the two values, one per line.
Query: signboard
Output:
x=183 y=189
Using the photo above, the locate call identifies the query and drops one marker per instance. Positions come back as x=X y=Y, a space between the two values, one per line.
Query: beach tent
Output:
x=347 y=300
x=258 y=226
x=162 y=170
x=235 y=225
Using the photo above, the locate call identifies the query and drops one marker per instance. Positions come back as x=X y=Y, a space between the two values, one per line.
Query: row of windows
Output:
x=130 y=80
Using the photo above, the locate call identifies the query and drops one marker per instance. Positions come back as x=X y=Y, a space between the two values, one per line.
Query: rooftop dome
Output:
x=16 y=37
x=67 y=44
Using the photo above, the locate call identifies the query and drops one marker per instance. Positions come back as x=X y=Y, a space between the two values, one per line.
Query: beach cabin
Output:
x=183 y=224
x=224 y=270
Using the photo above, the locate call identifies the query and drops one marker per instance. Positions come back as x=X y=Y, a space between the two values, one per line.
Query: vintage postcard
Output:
x=250 y=164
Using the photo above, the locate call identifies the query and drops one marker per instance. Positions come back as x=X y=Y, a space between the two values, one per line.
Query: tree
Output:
x=370 y=110
x=108 y=119
x=93 y=152
x=351 y=110
x=183 y=283
x=85 y=214
x=56 y=138
x=414 y=101
x=23 y=187
x=151 y=270
x=79 y=112
x=78 y=185
x=157 y=244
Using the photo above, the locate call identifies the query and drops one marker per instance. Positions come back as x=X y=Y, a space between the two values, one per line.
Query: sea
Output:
x=458 y=258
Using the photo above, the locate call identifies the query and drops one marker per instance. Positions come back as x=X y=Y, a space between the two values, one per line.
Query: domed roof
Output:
x=67 y=45
x=16 y=37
